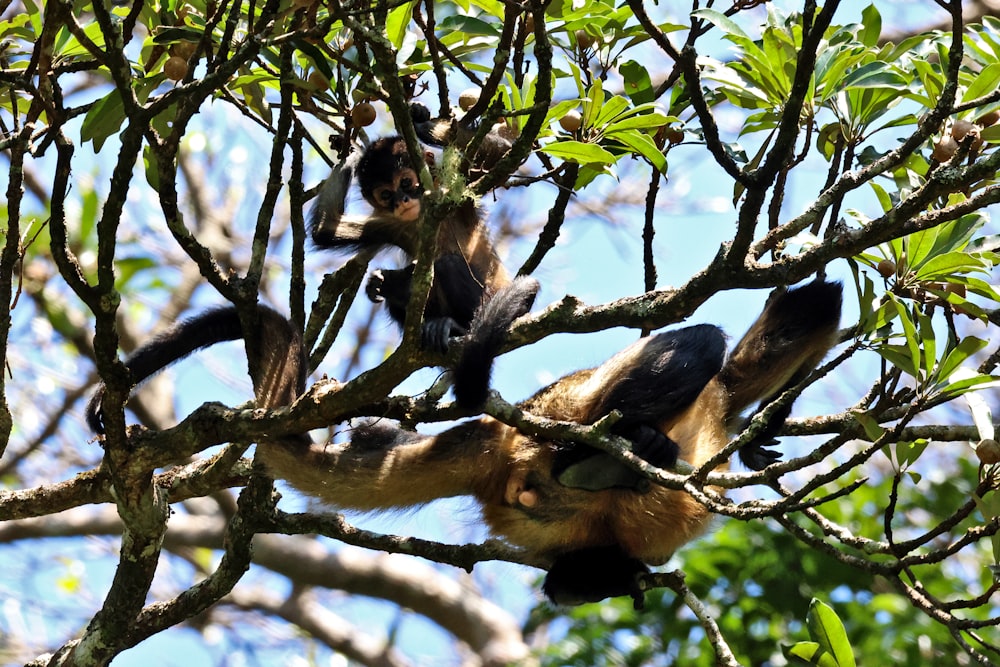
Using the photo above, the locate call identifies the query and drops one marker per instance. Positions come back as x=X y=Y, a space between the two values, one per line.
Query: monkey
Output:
x=452 y=132
x=598 y=523
x=467 y=270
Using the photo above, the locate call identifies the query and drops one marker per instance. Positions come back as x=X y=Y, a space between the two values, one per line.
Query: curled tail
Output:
x=789 y=339
x=487 y=334
x=278 y=377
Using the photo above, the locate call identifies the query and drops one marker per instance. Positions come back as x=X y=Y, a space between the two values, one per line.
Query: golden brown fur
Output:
x=510 y=473
x=597 y=535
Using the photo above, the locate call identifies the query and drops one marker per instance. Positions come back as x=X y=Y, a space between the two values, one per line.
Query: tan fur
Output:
x=510 y=474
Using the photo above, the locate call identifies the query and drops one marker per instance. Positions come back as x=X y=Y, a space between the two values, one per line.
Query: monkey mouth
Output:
x=408 y=211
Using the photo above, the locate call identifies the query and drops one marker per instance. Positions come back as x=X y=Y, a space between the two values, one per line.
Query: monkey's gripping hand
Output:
x=374 y=286
x=756 y=455
x=595 y=573
x=438 y=331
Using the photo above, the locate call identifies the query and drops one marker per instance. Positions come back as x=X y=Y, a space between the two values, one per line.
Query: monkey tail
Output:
x=487 y=334
x=190 y=335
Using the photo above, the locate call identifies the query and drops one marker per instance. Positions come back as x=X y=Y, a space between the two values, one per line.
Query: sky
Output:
x=594 y=261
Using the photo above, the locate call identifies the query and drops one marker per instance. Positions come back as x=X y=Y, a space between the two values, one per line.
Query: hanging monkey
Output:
x=594 y=519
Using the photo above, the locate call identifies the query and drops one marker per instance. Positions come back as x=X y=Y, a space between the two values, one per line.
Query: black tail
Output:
x=204 y=330
x=487 y=334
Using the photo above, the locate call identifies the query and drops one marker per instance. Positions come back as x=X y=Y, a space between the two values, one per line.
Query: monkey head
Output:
x=388 y=180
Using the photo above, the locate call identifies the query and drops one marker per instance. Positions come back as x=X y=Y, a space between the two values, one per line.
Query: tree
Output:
x=137 y=138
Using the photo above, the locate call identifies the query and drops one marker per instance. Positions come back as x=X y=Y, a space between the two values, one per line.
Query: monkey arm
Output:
x=450 y=132
x=456 y=294
x=354 y=233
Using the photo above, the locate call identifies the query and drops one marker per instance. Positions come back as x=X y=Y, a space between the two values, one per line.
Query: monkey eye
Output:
x=406 y=183
x=385 y=195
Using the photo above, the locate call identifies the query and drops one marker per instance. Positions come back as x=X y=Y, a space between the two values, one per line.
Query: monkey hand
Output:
x=650 y=445
x=438 y=331
x=419 y=113
x=756 y=456
x=373 y=288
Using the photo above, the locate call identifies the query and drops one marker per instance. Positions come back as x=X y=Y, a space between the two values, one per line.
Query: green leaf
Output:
x=828 y=631
x=644 y=146
x=608 y=111
x=872 y=22
x=900 y=357
x=397 y=21
x=720 y=21
x=908 y=452
x=577 y=151
x=104 y=119
x=957 y=355
x=910 y=332
x=646 y=121
x=808 y=653
x=638 y=85
x=987 y=81
x=928 y=340
x=468 y=25
x=872 y=428
x=950 y=264
x=129 y=267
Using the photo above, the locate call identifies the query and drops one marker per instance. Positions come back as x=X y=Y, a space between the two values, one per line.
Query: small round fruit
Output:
x=183 y=49
x=508 y=132
x=363 y=115
x=319 y=81
x=674 y=135
x=955 y=288
x=585 y=39
x=571 y=122
x=176 y=68
x=988 y=119
x=988 y=451
x=944 y=149
x=961 y=128
x=468 y=98
x=886 y=268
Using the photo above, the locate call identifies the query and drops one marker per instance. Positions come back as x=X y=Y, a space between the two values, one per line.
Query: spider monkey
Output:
x=596 y=521
x=467 y=271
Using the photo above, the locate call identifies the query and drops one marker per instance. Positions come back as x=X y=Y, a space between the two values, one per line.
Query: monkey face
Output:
x=400 y=197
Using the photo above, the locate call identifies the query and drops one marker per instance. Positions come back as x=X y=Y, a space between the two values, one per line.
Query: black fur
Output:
x=451 y=132
x=592 y=574
x=487 y=335
x=456 y=293
x=213 y=326
x=677 y=366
